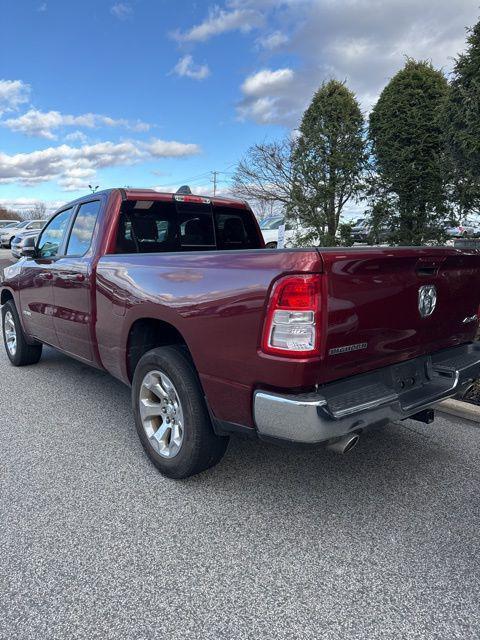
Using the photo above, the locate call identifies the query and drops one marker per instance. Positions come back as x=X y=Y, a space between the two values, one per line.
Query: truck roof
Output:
x=130 y=193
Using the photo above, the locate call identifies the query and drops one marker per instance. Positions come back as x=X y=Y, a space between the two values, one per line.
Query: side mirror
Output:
x=29 y=249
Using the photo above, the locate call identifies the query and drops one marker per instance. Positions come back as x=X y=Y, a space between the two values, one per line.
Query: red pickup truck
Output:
x=175 y=295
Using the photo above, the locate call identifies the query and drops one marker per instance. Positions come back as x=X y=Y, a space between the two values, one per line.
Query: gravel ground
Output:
x=272 y=543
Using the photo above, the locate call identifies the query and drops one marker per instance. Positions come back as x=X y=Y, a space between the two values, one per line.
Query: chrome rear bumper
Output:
x=378 y=397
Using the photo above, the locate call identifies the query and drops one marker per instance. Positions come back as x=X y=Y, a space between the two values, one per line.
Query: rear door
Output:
x=380 y=305
x=72 y=283
x=36 y=277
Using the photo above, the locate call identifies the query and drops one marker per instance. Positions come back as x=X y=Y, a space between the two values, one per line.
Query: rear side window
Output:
x=147 y=227
x=158 y=226
x=235 y=229
x=82 y=230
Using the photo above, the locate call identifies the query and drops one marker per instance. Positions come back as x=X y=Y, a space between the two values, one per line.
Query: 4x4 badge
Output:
x=427 y=300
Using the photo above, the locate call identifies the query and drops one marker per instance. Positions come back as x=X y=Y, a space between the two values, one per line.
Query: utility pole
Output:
x=214 y=180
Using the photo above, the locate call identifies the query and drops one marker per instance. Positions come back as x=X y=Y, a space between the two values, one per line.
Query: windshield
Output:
x=271 y=223
x=361 y=222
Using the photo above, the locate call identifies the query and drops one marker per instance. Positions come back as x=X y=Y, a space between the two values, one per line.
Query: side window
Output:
x=82 y=230
x=235 y=229
x=147 y=227
x=35 y=225
x=52 y=236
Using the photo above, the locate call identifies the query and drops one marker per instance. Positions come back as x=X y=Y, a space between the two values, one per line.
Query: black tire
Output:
x=25 y=353
x=200 y=448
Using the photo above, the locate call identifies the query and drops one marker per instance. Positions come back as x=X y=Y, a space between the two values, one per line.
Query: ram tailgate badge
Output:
x=427 y=300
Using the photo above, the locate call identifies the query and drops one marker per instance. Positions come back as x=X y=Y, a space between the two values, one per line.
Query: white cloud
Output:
x=42 y=124
x=221 y=21
x=266 y=81
x=42 y=7
x=363 y=42
x=273 y=40
x=263 y=93
x=121 y=10
x=170 y=149
x=76 y=136
x=13 y=93
x=24 y=205
x=186 y=67
x=73 y=167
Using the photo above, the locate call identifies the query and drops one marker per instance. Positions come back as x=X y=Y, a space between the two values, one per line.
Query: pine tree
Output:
x=408 y=152
x=462 y=127
x=328 y=160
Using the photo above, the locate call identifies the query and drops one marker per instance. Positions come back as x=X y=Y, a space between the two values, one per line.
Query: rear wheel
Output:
x=171 y=416
x=19 y=352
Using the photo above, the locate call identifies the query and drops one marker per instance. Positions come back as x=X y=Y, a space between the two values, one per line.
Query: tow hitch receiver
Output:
x=427 y=416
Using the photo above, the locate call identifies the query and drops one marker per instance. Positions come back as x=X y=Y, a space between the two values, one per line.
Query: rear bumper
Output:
x=374 y=398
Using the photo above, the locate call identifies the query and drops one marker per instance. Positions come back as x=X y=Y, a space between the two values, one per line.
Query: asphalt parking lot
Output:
x=272 y=543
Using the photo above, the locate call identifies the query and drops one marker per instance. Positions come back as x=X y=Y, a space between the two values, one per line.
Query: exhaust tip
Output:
x=344 y=444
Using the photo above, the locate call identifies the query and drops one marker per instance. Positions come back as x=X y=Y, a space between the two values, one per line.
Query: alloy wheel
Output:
x=10 y=333
x=161 y=414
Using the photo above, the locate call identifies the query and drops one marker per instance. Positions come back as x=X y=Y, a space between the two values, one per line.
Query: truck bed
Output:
x=217 y=301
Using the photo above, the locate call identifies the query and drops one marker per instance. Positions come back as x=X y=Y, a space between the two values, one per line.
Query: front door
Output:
x=72 y=289
x=36 y=279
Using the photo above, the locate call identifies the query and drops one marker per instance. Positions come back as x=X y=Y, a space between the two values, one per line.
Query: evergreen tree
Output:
x=328 y=159
x=462 y=127
x=408 y=152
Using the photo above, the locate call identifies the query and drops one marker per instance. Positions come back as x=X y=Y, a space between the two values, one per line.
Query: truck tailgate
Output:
x=372 y=316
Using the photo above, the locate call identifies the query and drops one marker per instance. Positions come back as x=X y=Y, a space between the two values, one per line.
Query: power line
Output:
x=202 y=176
x=185 y=180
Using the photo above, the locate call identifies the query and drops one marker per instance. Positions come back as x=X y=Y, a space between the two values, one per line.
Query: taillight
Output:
x=291 y=324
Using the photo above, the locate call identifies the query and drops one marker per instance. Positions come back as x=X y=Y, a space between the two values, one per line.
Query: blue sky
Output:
x=152 y=93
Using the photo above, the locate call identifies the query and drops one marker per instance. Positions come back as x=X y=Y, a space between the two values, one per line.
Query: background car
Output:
x=8 y=233
x=363 y=231
x=19 y=241
x=466 y=229
x=7 y=223
x=270 y=227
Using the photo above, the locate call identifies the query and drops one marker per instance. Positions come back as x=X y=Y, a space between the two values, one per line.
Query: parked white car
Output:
x=7 y=223
x=270 y=228
x=8 y=233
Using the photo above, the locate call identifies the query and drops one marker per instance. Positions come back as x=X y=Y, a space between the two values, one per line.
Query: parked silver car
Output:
x=9 y=232
x=22 y=239
x=468 y=228
x=7 y=223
